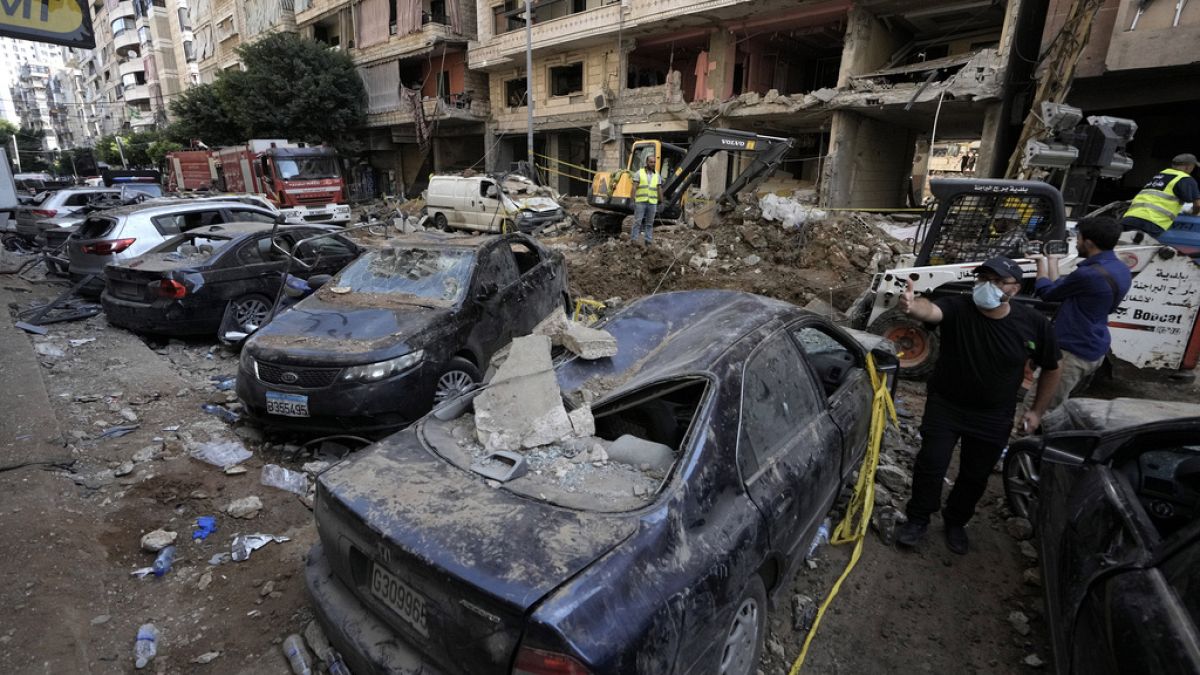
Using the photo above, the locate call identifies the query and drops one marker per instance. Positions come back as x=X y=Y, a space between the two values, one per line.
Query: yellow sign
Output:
x=60 y=22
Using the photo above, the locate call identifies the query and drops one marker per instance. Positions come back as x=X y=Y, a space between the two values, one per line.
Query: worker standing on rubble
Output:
x=1088 y=295
x=1156 y=206
x=972 y=393
x=645 y=203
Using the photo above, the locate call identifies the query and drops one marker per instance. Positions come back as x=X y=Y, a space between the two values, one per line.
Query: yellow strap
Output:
x=573 y=166
x=853 y=527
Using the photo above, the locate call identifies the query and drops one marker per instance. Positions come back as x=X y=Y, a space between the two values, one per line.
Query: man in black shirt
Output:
x=972 y=395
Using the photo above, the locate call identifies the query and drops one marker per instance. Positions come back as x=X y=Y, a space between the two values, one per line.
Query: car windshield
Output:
x=306 y=168
x=151 y=189
x=427 y=276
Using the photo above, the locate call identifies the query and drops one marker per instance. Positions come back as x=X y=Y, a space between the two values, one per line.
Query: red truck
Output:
x=191 y=170
x=304 y=181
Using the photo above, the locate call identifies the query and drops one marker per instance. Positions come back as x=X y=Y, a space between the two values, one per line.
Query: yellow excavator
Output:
x=611 y=193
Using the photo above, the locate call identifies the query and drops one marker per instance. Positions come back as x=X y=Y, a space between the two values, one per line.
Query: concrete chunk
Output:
x=589 y=343
x=554 y=326
x=582 y=422
x=637 y=451
x=522 y=406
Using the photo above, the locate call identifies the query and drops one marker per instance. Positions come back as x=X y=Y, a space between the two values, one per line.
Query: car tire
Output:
x=917 y=345
x=741 y=645
x=439 y=222
x=458 y=375
x=249 y=312
x=1022 y=469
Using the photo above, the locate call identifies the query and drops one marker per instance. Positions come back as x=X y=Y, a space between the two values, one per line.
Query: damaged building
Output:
x=858 y=85
x=1138 y=61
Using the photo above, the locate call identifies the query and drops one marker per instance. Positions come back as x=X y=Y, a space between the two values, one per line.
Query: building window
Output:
x=566 y=80
x=514 y=92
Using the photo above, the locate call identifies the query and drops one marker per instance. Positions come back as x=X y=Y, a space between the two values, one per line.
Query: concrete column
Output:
x=714 y=175
x=920 y=166
x=722 y=56
x=489 y=147
x=992 y=161
x=869 y=163
x=553 y=149
x=867 y=46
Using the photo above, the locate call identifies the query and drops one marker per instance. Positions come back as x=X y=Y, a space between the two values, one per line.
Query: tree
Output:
x=7 y=131
x=32 y=145
x=201 y=115
x=158 y=150
x=292 y=87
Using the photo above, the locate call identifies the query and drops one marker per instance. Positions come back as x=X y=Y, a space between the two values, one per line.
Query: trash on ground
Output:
x=221 y=453
x=206 y=658
x=146 y=646
x=224 y=413
x=319 y=643
x=297 y=655
x=245 y=544
x=141 y=572
x=205 y=525
x=117 y=432
x=276 y=476
x=164 y=561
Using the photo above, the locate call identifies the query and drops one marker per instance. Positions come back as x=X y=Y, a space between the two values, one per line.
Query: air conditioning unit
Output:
x=608 y=131
x=600 y=100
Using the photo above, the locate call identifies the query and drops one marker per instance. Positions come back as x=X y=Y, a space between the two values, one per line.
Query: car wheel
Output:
x=743 y=641
x=917 y=345
x=457 y=377
x=249 y=312
x=1022 y=469
x=439 y=221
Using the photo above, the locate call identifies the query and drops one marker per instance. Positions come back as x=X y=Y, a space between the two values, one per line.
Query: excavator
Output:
x=611 y=194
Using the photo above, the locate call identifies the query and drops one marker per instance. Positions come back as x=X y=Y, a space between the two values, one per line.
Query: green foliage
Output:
x=64 y=163
x=292 y=87
x=158 y=150
x=32 y=145
x=143 y=149
x=7 y=131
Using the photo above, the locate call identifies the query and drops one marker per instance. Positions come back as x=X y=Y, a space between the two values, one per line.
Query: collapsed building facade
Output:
x=1138 y=62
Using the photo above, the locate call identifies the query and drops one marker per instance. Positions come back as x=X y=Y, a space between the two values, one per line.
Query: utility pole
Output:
x=16 y=153
x=529 y=86
x=121 y=150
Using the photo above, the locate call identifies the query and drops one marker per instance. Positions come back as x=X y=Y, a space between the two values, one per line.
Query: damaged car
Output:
x=186 y=285
x=1114 y=495
x=700 y=462
x=401 y=328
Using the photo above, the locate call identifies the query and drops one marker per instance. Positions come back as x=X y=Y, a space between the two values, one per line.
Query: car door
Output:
x=839 y=365
x=327 y=255
x=788 y=448
x=490 y=209
x=538 y=293
x=495 y=282
x=252 y=266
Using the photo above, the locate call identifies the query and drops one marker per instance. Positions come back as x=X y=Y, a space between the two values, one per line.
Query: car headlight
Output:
x=247 y=363
x=373 y=372
x=524 y=215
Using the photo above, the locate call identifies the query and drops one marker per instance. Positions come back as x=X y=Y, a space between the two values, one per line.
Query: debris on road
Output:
x=164 y=561
x=205 y=525
x=245 y=544
x=146 y=646
x=155 y=541
x=223 y=454
x=276 y=476
x=522 y=406
x=245 y=508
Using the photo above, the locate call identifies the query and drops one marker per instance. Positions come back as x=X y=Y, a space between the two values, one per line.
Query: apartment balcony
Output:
x=126 y=39
x=137 y=92
x=308 y=11
x=131 y=67
x=450 y=110
x=121 y=9
x=577 y=29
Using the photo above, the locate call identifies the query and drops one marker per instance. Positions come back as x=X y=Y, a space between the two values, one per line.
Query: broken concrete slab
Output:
x=638 y=451
x=589 y=343
x=553 y=326
x=582 y=422
x=522 y=406
x=153 y=542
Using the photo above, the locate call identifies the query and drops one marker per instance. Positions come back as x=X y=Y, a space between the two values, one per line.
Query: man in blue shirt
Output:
x=1088 y=295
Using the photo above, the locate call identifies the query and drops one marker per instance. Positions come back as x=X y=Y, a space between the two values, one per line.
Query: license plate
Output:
x=290 y=405
x=400 y=598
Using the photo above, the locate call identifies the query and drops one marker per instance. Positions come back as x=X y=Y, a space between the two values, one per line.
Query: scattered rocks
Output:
x=314 y=468
x=1033 y=661
x=145 y=454
x=246 y=507
x=153 y=542
x=101 y=620
x=206 y=658
x=1032 y=576
x=124 y=469
x=266 y=589
x=1019 y=528
x=804 y=612
x=895 y=479
x=1028 y=550
x=235 y=470
x=205 y=581
x=49 y=351
x=251 y=434
x=1019 y=622
x=582 y=422
x=128 y=415
x=589 y=343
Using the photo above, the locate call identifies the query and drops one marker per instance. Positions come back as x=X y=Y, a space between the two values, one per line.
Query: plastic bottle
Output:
x=821 y=538
x=220 y=411
x=166 y=558
x=146 y=646
x=297 y=655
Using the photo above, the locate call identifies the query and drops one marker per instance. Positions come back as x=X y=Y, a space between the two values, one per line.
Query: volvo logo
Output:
x=289 y=377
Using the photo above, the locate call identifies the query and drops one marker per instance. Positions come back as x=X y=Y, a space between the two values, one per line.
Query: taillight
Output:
x=107 y=247
x=45 y=213
x=532 y=661
x=168 y=288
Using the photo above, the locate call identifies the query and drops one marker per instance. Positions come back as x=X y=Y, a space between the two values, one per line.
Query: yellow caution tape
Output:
x=547 y=169
x=594 y=307
x=559 y=161
x=853 y=527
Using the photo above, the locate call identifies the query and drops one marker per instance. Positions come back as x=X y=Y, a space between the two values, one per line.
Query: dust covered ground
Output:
x=75 y=502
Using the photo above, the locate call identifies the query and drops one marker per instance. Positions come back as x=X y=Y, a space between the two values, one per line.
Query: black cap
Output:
x=1005 y=267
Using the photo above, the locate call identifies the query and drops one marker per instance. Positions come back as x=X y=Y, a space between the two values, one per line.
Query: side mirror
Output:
x=318 y=280
x=486 y=291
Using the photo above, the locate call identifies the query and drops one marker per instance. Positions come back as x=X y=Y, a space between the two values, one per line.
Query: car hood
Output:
x=316 y=331
x=538 y=204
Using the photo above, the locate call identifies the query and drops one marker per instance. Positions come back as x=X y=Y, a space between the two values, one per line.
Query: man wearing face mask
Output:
x=1088 y=295
x=972 y=394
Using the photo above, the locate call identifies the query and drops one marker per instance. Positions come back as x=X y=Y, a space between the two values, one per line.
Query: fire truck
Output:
x=189 y=170
x=304 y=181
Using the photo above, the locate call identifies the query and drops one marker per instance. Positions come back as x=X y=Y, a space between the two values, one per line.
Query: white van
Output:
x=482 y=203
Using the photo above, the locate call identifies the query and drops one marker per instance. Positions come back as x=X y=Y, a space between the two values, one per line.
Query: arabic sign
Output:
x=60 y=22
x=1152 y=326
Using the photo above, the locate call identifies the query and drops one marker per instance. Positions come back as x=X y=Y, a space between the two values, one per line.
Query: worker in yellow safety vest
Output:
x=1156 y=206
x=645 y=202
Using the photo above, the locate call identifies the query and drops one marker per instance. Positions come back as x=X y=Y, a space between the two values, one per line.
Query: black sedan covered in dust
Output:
x=1115 y=498
x=763 y=411
x=185 y=285
x=401 y=328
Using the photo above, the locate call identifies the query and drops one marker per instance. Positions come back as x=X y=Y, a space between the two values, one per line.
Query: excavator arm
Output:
x=768 y=153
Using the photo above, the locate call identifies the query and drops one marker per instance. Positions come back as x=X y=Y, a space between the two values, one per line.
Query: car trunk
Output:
x=450 y=563
x=132 y=283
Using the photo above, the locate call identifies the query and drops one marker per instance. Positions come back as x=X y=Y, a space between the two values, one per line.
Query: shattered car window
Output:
x=306 y=168
x=189 y=247
x=428 y=274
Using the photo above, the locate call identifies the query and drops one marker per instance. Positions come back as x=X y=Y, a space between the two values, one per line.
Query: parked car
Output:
x=397 y=330
x=1115 y=498
x=488 y=204
x=185 y=285
x=423 y=566
x=62 y=203
x=122 y=233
